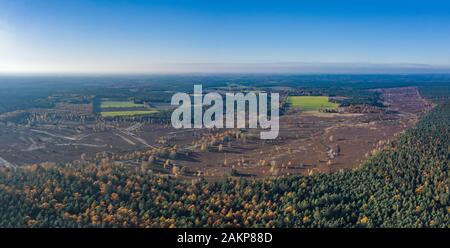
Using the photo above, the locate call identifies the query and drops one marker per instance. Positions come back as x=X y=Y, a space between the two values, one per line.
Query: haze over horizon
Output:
x=135 y=36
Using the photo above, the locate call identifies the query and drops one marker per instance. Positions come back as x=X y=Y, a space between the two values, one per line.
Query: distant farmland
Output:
x=127 y=113
x=119 y=104
x=110 y=108
x=311 y=103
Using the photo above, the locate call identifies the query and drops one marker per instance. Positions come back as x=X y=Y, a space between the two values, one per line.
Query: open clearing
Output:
x=119 y=104
x=124 y=108
x=311 y=103
x=127 y=113
x=306 y=142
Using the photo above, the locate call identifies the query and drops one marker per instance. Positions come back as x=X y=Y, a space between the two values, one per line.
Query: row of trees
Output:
x=404 y=185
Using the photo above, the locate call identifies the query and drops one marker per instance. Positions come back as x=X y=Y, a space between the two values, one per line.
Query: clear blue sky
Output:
x=169 y=36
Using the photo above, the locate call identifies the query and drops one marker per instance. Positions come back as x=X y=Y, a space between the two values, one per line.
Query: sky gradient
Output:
x=81 y=36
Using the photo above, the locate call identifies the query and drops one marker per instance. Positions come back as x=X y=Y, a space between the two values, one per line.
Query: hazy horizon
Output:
x=260 y=68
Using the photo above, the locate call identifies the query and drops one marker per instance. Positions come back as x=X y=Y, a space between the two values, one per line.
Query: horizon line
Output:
x=255 y=68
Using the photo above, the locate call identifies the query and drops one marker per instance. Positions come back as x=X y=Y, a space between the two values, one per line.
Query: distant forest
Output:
x=19 y=93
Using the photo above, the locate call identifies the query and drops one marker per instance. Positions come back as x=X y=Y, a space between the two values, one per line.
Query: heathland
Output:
x=380 y=159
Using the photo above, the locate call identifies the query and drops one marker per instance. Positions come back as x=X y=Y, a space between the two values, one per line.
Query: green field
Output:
x=311 y=103
x=120 y=104
x=114 y=108
x=127 y=113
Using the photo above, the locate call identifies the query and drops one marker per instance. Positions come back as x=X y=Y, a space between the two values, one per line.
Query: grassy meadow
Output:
x=120 y=104
x=311 y=103
x=114 y=108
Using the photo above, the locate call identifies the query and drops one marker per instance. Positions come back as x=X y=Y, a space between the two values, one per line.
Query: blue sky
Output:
x=80 y=36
